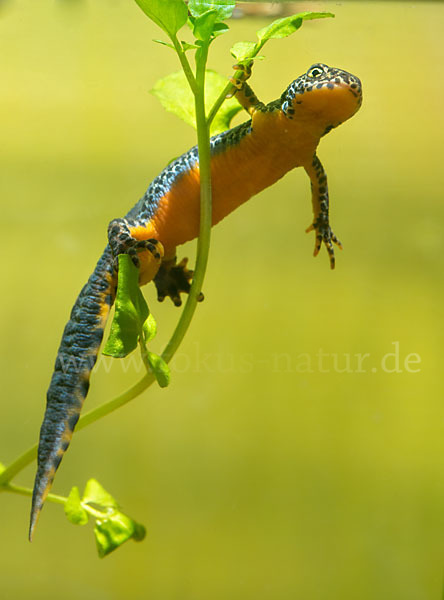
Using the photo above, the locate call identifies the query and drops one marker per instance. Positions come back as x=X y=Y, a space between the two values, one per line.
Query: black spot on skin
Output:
x=330 y=85
x=72 y=421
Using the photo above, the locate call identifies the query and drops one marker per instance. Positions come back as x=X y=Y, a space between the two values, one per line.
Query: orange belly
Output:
x=238 y=173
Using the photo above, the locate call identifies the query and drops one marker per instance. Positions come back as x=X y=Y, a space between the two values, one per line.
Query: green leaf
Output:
x=149 y=328
x=159 y=368
x=204 y=24
x=73 y=508
x=170 y=15
x=281 y=28
x=164 y=43
x=186 y=46
x=95 y=494
x=131 y=311
x=175 y=96
x=220 y=28
x=223 y=8
x=284 y=27
x=2 y=468
x=243 y=50
x=115 y=530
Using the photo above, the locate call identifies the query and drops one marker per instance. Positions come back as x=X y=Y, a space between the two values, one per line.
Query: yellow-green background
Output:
x=255 y=481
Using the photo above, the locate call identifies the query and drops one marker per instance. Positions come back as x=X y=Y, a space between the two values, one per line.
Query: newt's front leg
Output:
x=243 y=92
x=321 y=224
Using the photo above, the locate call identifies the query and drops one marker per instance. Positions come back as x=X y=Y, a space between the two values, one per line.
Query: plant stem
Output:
x=223 y=95
x=221 y=99
x=185 y=65
x=203 y=242
x=90 y=417
x=18 y=465
x=24 y=491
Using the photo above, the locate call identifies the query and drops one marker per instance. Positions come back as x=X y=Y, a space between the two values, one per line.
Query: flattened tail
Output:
x=70 y=381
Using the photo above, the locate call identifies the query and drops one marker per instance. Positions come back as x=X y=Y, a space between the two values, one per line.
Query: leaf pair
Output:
x=205 y=16
x=112 y=527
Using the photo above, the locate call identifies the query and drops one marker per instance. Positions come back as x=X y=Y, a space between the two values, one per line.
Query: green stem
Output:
x=203 y=245
x=185 y=65
x=90 y=417
x=220 y=100
x=18 y=465
x=223 y=95
x=203 y=242
x=24 y=491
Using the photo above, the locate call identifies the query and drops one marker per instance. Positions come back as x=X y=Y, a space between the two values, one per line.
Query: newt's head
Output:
x=324 y=95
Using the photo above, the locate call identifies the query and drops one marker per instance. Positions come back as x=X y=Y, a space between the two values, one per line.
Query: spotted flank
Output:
x=246 y=159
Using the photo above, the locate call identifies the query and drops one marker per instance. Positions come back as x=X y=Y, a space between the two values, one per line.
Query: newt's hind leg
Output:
x=146 y=254
x=320 y=200
x=123 y=242
x=173 y=279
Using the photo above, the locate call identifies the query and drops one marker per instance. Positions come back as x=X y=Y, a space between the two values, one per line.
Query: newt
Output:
x=246 y=159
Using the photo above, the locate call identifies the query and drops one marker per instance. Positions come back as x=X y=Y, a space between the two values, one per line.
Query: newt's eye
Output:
x=315 y=72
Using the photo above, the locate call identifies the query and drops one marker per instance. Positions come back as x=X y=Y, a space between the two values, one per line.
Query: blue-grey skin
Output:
x=76 y=357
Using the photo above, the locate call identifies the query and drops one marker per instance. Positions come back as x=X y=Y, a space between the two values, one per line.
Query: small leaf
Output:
x=74 y=511
x=139 y=532
x=220 y=28
x=159 y=368
x=175 y=96
x=170 y=16
x=281 y=28
x=115 y=530
x=95 y=494
x=2 y=468
x=164 y=43
x=284 y=27
x=243 y=50
x=149 y=328
x=186 y=46
x=223 y=8
x=204 y=24
x=131 y=311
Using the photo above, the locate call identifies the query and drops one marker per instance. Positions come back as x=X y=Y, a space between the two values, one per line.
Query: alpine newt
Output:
x=246 y=159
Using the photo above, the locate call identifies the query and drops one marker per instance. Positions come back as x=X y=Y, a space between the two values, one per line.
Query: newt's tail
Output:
x=70 y=381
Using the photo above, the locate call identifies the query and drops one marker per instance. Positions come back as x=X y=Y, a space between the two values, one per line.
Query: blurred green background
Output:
x=266 y=470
